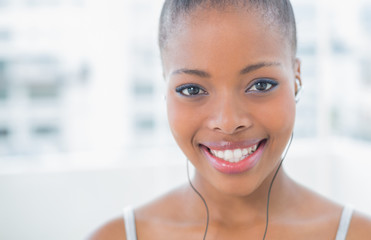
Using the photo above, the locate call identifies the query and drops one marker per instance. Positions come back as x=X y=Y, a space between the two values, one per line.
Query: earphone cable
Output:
x=203 y=200
x=270 y=187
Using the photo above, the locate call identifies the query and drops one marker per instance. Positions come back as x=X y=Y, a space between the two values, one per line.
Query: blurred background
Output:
x=83 y=129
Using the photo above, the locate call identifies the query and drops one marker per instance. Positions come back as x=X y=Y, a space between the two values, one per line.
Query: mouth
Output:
x=229 y=159
x=234 y=155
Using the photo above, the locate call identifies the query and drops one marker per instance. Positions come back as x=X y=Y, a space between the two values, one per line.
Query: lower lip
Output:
x=235 y=168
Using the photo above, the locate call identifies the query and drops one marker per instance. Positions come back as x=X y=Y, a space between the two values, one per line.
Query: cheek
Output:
x=175 y=119
x=173 y=116
x=181 y=121
x=278 y=119
x=278 y=115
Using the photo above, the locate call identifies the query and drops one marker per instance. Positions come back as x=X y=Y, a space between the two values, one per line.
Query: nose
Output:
x=229 y=115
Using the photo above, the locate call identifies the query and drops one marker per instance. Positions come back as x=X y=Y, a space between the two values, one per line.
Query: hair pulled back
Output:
x=278 y=13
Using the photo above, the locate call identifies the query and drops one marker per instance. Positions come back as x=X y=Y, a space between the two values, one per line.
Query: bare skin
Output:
x=174 y=217
x=211 y=51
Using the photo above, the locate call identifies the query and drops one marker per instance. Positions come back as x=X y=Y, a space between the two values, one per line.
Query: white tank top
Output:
x=345 y=218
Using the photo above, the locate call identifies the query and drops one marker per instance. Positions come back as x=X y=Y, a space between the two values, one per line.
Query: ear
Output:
x=297 y=73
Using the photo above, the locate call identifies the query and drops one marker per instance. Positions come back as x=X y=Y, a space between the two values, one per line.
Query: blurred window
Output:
x=366 y=18
x=5 y=35
x=37 y=3
x=4 y=133
x=338 y=46
x=307 y=49
x=43 y=91
x=3 y=81
x=4 y=3
x=3 y=93
x=366 y=71
x=43 y=131
x=144 y=124
x=143 y=89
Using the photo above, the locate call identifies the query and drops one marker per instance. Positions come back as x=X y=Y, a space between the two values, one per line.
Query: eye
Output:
x=190 y=90
x=262 y=85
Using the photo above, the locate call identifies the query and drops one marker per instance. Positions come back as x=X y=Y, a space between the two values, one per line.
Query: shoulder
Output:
x=148 y=218
x=163 y=205
x=112 y=230
x=360 y=226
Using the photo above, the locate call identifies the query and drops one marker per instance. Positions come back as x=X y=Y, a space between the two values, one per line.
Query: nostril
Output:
x=230 y=122
x=229 y=130
x=239 y=127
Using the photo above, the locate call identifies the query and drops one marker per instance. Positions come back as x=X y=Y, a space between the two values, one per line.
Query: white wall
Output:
x=69 y=205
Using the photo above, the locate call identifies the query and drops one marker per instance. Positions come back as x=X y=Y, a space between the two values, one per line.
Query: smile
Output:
x=234 y=158
x=234 y=155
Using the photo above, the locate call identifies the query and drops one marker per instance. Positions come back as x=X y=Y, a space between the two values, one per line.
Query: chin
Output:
x=237 y=185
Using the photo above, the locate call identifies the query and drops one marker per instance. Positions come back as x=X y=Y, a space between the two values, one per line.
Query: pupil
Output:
x=261 y=86
x=193 y=90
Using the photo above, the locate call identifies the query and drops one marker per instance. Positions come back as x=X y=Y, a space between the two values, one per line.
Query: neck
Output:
x=231 y=209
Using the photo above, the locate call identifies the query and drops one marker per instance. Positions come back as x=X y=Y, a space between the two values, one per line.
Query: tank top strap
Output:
x=131 y=234
x=345 y=219
x=130 y=228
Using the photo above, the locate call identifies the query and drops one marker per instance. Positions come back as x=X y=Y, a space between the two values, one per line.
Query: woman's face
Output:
x=230 y=96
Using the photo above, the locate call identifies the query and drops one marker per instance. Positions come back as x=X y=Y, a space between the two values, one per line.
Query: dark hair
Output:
x=278 y=13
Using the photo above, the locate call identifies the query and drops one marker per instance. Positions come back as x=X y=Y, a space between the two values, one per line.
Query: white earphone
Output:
x=298 y=91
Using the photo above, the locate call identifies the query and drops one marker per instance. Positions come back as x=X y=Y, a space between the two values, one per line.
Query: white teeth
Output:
x=254 y=148
x=234 y=155
x=250 y=150
x=237 y=153
x=228 y=154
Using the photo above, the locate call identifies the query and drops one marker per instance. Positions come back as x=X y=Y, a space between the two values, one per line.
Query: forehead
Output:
x=212 y=39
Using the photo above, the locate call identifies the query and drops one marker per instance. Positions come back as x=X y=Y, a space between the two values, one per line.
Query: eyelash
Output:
x=199 y=90
x=270 y=84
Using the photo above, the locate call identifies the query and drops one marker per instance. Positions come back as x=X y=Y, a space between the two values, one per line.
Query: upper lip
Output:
x=225 y=145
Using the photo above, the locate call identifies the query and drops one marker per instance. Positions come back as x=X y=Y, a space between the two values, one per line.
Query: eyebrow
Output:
x=254 y=67
x=195 y=72
x=247 y=69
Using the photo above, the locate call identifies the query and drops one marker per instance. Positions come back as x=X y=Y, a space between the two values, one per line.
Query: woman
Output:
x=232 y=85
